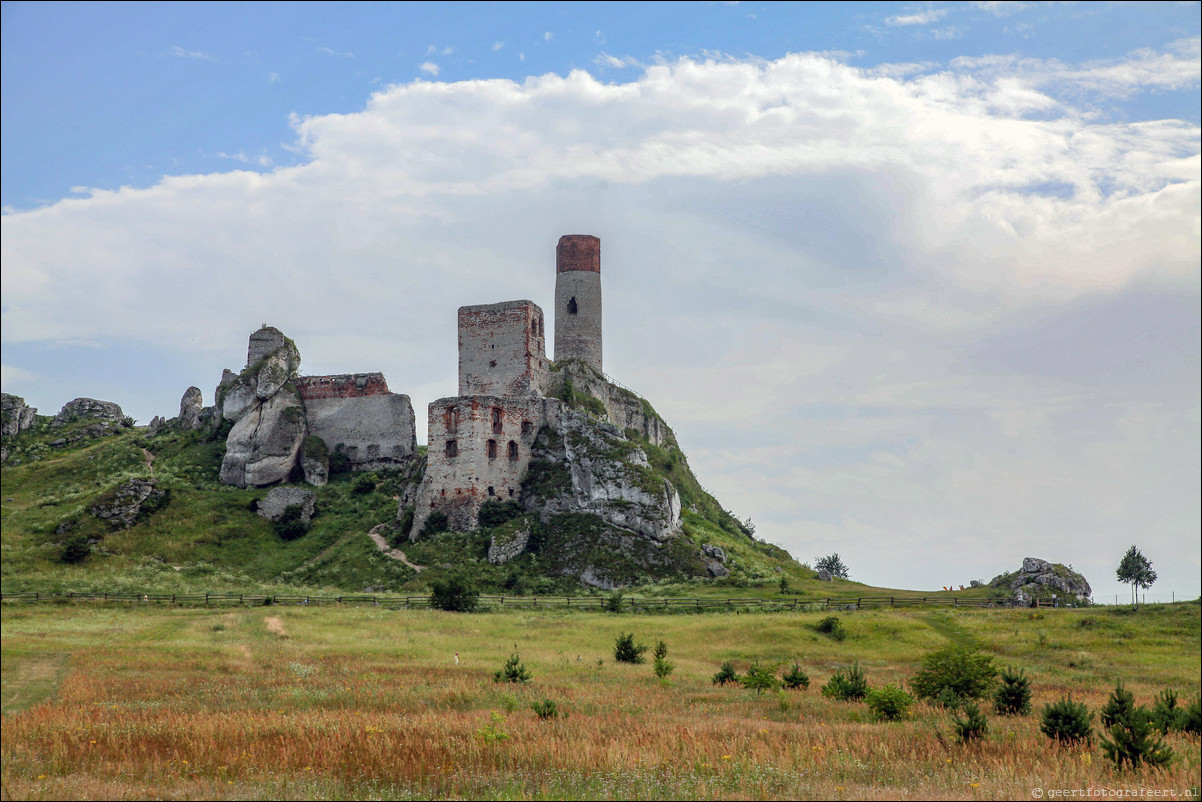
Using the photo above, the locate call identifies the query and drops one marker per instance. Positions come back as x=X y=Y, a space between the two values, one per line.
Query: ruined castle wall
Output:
x=375 y=430
x=578 y=299
x=344 y=385
x=502 y=349
x=479 y=450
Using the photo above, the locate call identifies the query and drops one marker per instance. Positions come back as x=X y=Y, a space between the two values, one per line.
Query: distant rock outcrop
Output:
x=262 y=447
x=88 y=408
x=122 y=507
x=17 y=416
x=190 y=408
x=1039 y=578
x=280 y=499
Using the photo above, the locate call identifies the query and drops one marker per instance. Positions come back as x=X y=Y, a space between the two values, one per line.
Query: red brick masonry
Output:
x=345 y=385
x=578 y=252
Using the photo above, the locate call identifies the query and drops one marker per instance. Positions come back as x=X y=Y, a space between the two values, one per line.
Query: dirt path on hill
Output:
x=149 y=461
x=388 y=551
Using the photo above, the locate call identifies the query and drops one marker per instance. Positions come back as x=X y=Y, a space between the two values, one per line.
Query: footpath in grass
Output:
x=367 y=703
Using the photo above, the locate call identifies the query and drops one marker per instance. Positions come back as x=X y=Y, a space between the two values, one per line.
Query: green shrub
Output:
x=364 y=483
x=513 y=671
x=291 y=524
x=1192 y=721
x=436 y=522
x=949 y=699
x=663 y=667
x=454 y=593
x=795 y=678
x=889 y=703
x=1013 y=697
x=76 y=549
x=406 y=524
x=613 y=602
x=1067 y=721
x=340 y=462
x=626 y=651
x=494 y=513
x=760 y=678
x=661 y=650
x=973 y=726
x=546 y=709
x=1131 y=738
x=958 y=669
x=784 y=585
x=847 y=686
x=832 y=626
x=726 y=674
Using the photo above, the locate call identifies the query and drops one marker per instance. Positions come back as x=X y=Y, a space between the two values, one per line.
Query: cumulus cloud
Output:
x=329 y=51
x=865 y=299
x=917 y=18
x=429 y=68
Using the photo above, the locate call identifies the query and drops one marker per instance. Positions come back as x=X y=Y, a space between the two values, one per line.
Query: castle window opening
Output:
x=492 y=449
x=572 y=308
x=451 y=419
x=511 y=492
x=496 y=420
x=513 y=451
x=491 y=492
x=452 y=448
x=527 y=427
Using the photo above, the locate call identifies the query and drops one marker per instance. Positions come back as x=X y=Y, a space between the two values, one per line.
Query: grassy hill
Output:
x=205 y=536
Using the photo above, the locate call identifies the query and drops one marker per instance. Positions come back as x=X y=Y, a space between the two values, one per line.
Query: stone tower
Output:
x=578 y=299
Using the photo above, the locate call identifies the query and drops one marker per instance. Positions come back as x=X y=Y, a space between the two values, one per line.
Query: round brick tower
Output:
x=578 y=299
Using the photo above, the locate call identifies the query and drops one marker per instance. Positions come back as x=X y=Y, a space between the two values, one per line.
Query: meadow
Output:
x=147 y=701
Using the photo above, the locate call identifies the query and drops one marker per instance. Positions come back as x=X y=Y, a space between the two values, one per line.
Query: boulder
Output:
x=825 y=575
x=976 y=583
x=190 y=407
x=17 y=416
x=1040 y=578
x=717 y=569
x=315 y=461
x=716 y=552
x=509 y=540
x=262 y=447
x=88 y=408
x=121 y=508
x=279 y=499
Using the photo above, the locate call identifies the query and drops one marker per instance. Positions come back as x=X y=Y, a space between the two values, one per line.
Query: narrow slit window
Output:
x=496 y=420
x=492 y=449
x=527 y=427
x=452 y=448
x=572 y=308
x=513 y=451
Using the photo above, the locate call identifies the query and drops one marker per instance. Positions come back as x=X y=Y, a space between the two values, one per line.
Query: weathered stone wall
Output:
x=578 y=299
x=375 y=430
x=264 y=342
x=502 y=349
x=479 y=449
x=344 y=385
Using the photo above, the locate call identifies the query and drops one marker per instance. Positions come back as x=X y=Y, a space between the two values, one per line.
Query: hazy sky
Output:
x=917 y=284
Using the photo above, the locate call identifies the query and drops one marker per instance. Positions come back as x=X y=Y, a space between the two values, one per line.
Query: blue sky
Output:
x=918 y=283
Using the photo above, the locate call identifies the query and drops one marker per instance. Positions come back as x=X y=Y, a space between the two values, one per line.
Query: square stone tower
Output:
x=502 y=349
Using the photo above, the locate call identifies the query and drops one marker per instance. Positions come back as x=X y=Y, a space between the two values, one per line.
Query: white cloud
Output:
x=339 y=53
x=273 y=78
x=497 y=46
x=887 y=308
x=11 y=373
x=180 y=52
x=548 y=36
x=429 y=68
x=918 y=18
x=606 y=60
x=1001 y=8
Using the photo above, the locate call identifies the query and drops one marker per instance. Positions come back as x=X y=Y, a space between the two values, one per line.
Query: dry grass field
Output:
x=303 y=703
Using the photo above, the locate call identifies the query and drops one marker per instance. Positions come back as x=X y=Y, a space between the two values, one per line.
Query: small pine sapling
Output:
x=1067 y=722
x=1167 y=715
x=1118 y=706
x=726 y=674
x=889 y=703
x=663 y=667
x=1013 y=697
x=1132 y=740
x=795 y=678
x=973 y=726
x=627 y=651
x=546 y=709
x=760 y=678
x=849 y=686
x=513 y=671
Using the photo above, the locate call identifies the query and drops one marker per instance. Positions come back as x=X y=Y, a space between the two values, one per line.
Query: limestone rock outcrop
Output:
x=122 y=507
x=1039 y=578
x=279 y=499
x=190 y=408
x=89 y=408
x=262 y=447
x=17 y=416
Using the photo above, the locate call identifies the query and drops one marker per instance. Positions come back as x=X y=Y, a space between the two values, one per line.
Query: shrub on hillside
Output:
x=454 y=593
x=436 y=522
x=1067 y=721
x=1167 y=715
x=627 y=651
x=1013 y=697
x=846 y=686
x=495 y=512
x=889 y=703
x=957 y=669
x=831 y=625
x=76 y=549
x=760 y=678
x=1118 y=706
x=291 y=524
x=546 y=709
